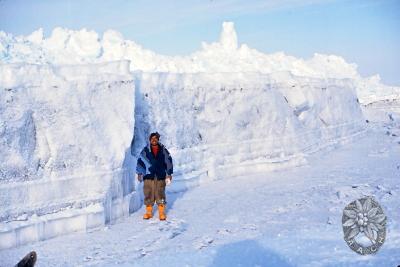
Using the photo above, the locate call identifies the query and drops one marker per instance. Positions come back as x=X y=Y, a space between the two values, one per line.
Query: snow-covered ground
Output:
x=284 y=218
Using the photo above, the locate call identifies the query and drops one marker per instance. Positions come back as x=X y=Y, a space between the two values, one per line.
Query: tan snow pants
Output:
x=154 y=191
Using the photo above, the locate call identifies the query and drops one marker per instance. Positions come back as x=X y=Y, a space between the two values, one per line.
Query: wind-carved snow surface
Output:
x=65 y=161
x=66 y=130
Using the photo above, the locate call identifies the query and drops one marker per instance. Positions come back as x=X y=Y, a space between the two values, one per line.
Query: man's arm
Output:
x=140 y=167
x=168 y=162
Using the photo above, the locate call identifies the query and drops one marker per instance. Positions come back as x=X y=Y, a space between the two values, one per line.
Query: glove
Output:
x=140 y=177
x=168 y=180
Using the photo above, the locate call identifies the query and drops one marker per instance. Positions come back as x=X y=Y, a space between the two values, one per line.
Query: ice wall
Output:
x=65 y=136
x=226 y=124
x=380 y=103
x=66 y=132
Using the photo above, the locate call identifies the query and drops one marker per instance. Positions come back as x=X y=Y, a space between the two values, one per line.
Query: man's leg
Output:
x=148 y=191
x=160 y=192
x=160 y=198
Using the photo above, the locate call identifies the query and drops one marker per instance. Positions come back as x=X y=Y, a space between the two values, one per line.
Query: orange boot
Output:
x=149 y=212
x=161 y=212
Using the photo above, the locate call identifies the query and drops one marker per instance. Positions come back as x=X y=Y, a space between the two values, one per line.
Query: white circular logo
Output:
x=364 y=225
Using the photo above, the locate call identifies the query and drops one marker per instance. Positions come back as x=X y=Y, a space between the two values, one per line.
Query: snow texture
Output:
x=212 y=129
x=74 y=113
x=285 y=218
x=65 y=135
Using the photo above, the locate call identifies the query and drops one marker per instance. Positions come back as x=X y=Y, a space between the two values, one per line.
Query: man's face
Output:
x=154 y=141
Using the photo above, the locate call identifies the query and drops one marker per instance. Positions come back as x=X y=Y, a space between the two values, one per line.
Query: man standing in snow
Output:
x=154 y=167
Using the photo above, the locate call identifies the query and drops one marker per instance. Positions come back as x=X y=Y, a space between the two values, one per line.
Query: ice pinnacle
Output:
x=228 y=38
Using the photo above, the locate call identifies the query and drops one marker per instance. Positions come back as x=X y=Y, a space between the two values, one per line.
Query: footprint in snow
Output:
x=141 y=252
x=203 y=242
x=159 y=232
x=224 y=231
x=88 y=258
x=250 y=226
x=173 y=228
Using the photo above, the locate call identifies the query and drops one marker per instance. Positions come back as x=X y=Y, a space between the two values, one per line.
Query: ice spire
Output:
x=228 y=38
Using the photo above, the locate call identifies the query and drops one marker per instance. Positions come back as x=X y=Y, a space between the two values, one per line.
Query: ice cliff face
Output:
x=224 y=124
x=67 y=163
x=65 y=139
x=64 y=119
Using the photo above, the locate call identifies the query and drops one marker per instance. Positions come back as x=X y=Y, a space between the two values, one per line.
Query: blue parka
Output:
x=154 y=166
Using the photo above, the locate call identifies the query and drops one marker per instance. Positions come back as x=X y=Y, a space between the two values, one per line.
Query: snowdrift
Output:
x=65 y=134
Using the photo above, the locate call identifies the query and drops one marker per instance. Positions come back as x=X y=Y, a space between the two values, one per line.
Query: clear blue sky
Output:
x=362 y=31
